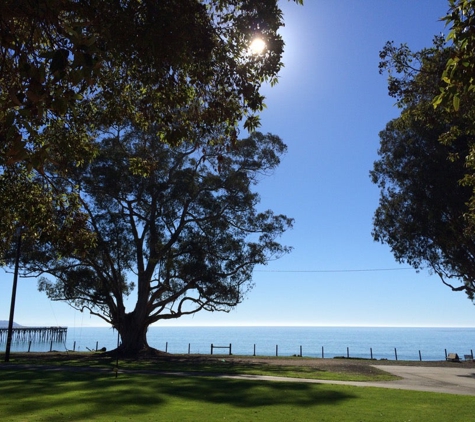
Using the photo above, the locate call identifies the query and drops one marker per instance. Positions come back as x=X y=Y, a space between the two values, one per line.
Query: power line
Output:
x=335 y=271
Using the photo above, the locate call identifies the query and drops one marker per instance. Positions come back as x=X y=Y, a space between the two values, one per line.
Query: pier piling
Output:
x=35 y=334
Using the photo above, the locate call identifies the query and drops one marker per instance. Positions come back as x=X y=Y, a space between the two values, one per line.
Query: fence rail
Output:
x=219 y=347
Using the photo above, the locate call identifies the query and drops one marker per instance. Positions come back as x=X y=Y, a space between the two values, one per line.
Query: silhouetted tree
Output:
x=178 y=226
x=424 y=209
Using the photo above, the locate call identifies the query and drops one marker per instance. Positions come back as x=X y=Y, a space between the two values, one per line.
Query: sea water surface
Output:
x=391 y=343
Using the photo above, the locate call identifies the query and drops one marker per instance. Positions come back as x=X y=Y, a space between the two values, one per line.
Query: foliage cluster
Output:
x=459 y=74
x=72 y=70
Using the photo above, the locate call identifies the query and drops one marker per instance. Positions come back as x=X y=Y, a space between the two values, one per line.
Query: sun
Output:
x=257 y=46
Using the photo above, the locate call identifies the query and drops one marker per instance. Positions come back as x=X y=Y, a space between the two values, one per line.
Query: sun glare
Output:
x=257 y=46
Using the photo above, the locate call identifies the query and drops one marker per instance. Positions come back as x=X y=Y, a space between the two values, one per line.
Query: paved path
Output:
x=436 y=379
x=459 y=381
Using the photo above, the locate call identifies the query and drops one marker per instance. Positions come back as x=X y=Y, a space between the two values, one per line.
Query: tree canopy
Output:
x=177 y=228
x=459 y=74
x=171 y=62
x=424 y=207
x=71 y=71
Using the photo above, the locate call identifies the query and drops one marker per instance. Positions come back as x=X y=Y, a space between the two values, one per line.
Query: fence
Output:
x=44 y=337
x=221 y=347
x=348 y=355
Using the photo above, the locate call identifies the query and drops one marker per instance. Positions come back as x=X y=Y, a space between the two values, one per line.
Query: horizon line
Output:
x=289 y=326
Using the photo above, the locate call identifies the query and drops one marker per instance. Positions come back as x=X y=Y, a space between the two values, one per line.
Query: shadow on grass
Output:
x=54 y=394
x=223 y=366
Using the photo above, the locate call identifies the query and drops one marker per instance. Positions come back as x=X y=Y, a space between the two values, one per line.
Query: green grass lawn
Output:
x=55 y=396
x=287 y=367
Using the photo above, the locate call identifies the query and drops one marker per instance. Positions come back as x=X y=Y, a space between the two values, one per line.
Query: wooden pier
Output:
x=35 y=334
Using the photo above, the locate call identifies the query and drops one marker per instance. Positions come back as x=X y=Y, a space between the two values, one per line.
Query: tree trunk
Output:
x=133 y=333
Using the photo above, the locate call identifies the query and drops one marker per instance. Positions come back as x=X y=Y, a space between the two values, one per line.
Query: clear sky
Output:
x=329 y=107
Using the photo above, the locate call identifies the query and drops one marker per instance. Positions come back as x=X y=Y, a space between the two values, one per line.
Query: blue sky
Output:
x=329 y=107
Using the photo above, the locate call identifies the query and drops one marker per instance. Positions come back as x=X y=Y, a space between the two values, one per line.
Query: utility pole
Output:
x=12 y=305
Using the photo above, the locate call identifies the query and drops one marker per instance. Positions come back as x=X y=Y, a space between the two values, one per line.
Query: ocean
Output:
x=357 y=342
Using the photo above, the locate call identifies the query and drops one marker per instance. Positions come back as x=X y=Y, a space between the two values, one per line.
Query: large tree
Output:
x=71 y=70
x=424 y=210
x=179 y=228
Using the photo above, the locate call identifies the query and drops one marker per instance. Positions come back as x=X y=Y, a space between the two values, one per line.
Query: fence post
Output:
x=277 y=350
x=230 y=349
x=211 y=348
x=51 y=346
x=395 y=353
x=420 y=356
x=371 y=352
x=323 y=354
x=29 y=346
x=300 y=351
x=348 y=352
x=166 y=347
x=189 y=347
x=97 y=346
x=445 y=354
x=254 y=349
